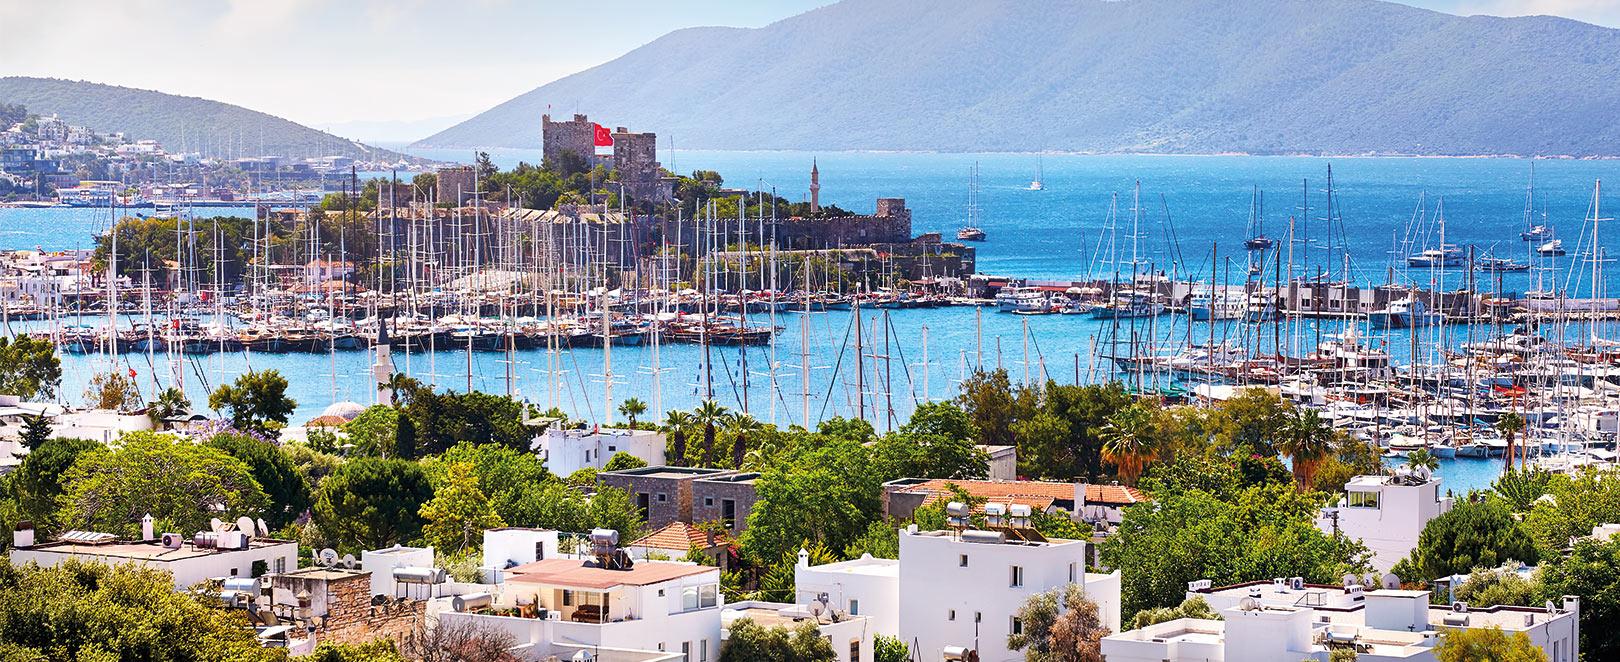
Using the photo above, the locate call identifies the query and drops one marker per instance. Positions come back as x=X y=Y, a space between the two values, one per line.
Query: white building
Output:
x=566 y=451
x=1287 y=620
x=657 y=606
x=851 y=636
x=509 y=547
x=189 y=559
x=866 y=586
x=1387 y=513
x=965 y=588
x=382 y=564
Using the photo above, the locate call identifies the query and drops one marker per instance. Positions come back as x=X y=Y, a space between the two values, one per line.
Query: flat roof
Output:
x=664 y=471
x=866 y=565
x=136 y=550
x=577 y=573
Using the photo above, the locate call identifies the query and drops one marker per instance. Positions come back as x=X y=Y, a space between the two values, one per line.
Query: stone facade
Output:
x=664 y=493
x=456 y=184
x=349 y=615
x=725 y=498
x=577 y=136
x=635 y=157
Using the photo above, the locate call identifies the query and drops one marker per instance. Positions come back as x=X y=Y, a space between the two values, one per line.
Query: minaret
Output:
x=382 y=367
x=815 y=188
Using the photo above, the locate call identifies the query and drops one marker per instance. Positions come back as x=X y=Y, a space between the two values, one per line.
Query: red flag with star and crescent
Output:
x=604 y=137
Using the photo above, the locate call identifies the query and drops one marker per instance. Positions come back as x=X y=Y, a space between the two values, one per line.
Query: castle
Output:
x=635 y=155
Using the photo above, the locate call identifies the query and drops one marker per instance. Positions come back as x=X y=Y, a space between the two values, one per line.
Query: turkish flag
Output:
x=604 y=137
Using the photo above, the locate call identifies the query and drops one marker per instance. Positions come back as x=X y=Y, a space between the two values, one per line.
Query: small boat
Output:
x=1036 y=184
x=970 y=234
x=1537 y=233
x=1448 y=256
x=1500 y=265
x=1554 y=248
x=1404 y=313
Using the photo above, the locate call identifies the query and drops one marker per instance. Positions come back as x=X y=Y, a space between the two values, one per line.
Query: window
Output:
x=686 y=651
x=708 y=501
x=950 y=615
x=709 y=595
x=233 y=572
x=1361 y=499
x=1016 y=627
x=1072 y=570
x=568 y=598
x=854 y=607
x=728 y=512
x=1017 y=579
x=662 y=497
x=281 y=565
x=703 y=650
x=660 y=593
x=854 y=650
x=961 y=561
x=540 y=550
x=613 y=449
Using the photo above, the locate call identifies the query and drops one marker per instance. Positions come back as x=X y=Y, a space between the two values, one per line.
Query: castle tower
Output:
x=815 y=187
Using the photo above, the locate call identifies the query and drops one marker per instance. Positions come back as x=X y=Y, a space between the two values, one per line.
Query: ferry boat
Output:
x=1228 y=305
x=1010 y=299
x=1448 y=256
x=1404 y=313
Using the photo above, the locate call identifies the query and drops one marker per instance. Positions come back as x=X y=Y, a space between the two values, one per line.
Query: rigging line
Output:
x=579 y=376
x=911 y=385
x=837 y=363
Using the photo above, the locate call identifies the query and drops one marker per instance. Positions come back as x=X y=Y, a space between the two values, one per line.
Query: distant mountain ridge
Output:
x=180 y=123
x=1174 y=76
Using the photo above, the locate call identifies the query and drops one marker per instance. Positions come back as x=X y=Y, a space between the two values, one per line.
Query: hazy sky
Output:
x=417 y=64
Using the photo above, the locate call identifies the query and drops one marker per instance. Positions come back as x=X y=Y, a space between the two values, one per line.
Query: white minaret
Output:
x=382 y=366
x=815 y=187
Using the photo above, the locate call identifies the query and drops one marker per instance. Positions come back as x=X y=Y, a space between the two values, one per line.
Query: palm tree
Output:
x=1307 y=439
x=1423 y=458
x=1128 y=441
x=676 y=424
x=741 y=425
x=632 y=408
x=1509 y=424
x=708 y=414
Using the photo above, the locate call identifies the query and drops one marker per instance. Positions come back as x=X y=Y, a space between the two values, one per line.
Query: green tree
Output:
x=170 y=402
x=890 y=649
x=709 y=415
x=1475 y=534
x=1307 y=441
x=1250 y=423
x=1495 y=587
x=1060 y=625
x=739 y=425
x=1128 y=441
x=275 y=473
x=1423 y=458
x=1085 y=409
x=442 y=420
x=29 y=367
x=826 y=494
x=623 y=460
x=256 y=401
x=1509 y=425
x=38 y=483
x=677 y=424
x=179 y=483
x=36 y=431
x=376 y=650
x=1488 y=644
x=747 y=641
x=1520 y=488
x=1591 y=571
x=370 y=503
x=944 y=419
x=112 y=390
x=1255 y=533
x=1572 y=505
x=1193 y=607
x=905 y=454
x=988 y=399
x=375 y=432
x=90 y=611
x=632 y=409
x=459 y=512
x=503 y=474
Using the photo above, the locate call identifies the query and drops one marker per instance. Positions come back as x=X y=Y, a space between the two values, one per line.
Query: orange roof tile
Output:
x=678 y=536
x=1032 y=492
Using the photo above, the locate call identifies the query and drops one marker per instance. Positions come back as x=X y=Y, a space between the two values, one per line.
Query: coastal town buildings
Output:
x=189 y=558
x=1387 y=513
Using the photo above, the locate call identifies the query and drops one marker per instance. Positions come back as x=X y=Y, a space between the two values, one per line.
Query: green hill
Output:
x=182 y=124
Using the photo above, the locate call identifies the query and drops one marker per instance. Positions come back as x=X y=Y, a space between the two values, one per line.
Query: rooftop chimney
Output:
x=23 y=535
x=146 y=528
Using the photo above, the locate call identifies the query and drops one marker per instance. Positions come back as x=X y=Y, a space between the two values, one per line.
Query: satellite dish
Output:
x=1350 y=580
x=817 y=609
x=583 y=656
x=349 y=562
x=1390 y=581
x=245 y=525
x=1248 y=604
x=263 y=530
x=328 y=556
x=215 y=525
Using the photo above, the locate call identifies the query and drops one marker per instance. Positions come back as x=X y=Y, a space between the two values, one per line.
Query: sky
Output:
x=387 y=70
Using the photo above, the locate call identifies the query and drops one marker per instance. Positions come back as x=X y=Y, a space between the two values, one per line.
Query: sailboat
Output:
x=1037 y=184
x=970 y=231
x=1257 y=241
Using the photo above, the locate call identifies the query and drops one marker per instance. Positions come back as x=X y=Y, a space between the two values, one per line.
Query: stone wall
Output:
x=675 y=504
x=708 y=500
x=456 y=184
x=577 y=136
x=351 y=618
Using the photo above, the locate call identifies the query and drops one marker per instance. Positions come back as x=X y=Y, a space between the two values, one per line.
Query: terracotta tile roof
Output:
x=678 y=537
x=1033 y=492
x=577 y=573
x=326 y=422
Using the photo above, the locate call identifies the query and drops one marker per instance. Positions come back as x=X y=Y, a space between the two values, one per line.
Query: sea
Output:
x=1190 y=216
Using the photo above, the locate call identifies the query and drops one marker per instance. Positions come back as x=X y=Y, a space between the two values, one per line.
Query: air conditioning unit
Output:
x=172 y=540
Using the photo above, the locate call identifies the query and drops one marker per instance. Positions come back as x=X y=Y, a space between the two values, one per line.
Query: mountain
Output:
x=180 y=123
x=1201 y=76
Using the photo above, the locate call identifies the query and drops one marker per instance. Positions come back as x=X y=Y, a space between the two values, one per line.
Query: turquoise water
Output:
x=1042 y=234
